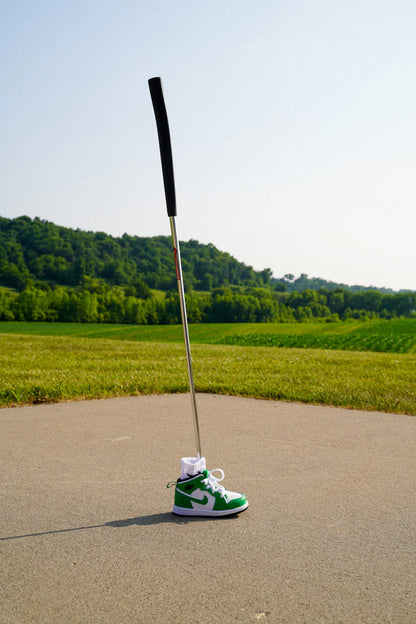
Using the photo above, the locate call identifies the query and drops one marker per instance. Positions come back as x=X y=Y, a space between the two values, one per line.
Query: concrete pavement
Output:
x=87 y=535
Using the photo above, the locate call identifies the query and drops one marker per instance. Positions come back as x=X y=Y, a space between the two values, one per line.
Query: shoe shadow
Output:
x=165 y=518
x=149 y=520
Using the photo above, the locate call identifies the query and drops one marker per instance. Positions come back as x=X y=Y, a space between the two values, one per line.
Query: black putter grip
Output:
x=156 y=93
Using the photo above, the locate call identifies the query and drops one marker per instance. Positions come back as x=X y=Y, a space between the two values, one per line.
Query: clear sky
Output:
x=293 y=126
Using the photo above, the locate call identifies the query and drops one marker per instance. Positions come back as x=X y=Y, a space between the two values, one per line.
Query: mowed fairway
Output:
x=395 y=336
x=151 y=360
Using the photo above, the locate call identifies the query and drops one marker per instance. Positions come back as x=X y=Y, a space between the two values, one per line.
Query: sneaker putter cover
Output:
x=199 y=493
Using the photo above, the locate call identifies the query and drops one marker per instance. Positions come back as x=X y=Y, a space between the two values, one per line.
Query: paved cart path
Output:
x=87 y=535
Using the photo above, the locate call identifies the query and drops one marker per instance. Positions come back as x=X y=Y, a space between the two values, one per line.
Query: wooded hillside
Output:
x=54 y=273
x=37 y=250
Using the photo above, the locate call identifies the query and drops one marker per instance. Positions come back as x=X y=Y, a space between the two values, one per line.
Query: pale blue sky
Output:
x=293 y=126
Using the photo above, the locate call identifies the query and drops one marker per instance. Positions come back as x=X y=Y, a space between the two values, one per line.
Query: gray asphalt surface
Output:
x=87 y=534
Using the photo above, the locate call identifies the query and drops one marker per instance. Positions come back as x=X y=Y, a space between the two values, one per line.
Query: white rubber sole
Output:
x=181 y=511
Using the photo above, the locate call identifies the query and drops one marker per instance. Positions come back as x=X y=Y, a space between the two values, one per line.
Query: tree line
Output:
x=52 y=273
x=96 y=301
x=33 y=251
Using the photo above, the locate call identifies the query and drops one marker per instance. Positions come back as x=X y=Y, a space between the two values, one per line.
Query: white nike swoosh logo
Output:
x=207 y=500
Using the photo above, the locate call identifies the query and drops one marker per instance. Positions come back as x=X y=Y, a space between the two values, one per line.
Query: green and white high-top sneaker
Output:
x=202 y=495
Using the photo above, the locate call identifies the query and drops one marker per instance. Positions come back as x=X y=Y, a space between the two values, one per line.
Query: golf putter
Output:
x=156 y=93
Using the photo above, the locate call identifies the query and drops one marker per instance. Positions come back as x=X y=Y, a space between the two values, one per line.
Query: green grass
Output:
x=37 y=369
x=8 y=289
x=396 y=336
x=158 y=294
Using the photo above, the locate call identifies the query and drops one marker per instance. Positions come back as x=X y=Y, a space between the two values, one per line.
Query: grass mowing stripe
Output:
x=357 y=341
x=396 y=336
x=38 y=369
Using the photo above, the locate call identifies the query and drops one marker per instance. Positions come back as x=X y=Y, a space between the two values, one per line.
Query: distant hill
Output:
x=304 y=282
x=52 y=273
x=34 y=251
x=38 y=250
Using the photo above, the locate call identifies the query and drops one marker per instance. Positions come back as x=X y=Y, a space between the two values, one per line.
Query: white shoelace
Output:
x=213 y=482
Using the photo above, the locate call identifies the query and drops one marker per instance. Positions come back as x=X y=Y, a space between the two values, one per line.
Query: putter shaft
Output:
x=181 y=290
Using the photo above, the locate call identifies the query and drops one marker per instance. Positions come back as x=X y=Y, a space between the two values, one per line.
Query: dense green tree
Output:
x=55 y=273
x=96 y=301
x=39 y=250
